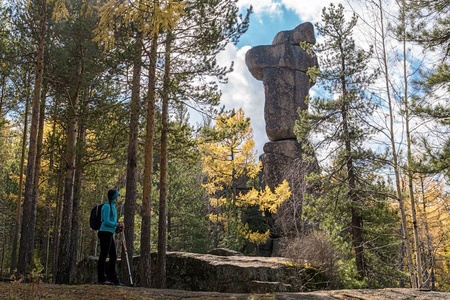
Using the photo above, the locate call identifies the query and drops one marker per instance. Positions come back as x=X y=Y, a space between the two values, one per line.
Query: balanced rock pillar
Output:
x=282 y=67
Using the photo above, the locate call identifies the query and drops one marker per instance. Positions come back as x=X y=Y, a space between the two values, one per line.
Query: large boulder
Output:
x=278 y=159
x=283 y=68
x=285 y=160
x=302 y=33
x=205 y=272
x=230 y=274
x=224 y=252
x=285 y=91
x=278 y=56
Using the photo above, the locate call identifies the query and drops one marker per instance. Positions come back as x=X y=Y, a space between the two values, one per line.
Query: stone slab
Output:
x=285 y=91
x=278 y=159
x=278 y=56
x=205 y=272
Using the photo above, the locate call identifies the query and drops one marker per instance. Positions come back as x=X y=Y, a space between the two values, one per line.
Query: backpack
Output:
x=96 y=217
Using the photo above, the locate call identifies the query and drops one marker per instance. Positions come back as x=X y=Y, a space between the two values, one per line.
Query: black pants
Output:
x=107 y=247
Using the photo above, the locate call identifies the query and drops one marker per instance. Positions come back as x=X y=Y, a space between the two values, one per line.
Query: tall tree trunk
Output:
x=429 y=245
x=77 y=200
x=48 y=212
x=37 y=174
x=2 y=98
x=67 y=213
x=169 y=228
x=57 y=225
x=409 y=256
x=46 y=239
x=5 y=243
x=356 y=222
x=131 y=185
x=409 y=154
x=162 y=222
x=64 y=259
x=26 y=233
x=19 y=198
x=145 y=260
x=401 y=259
x=81 y=253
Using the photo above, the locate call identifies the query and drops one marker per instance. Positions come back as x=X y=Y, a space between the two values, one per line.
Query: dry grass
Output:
x=313 y=250
x=31 y=291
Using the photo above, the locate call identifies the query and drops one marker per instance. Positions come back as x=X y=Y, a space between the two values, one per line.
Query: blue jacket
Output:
x=109 y=223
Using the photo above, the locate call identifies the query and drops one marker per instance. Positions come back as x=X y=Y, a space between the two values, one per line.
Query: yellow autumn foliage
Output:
x=256 y=237
x=217 y=218
x=63 y=9
x=266 y=200
x=433 y=219
x=149 y=16
x=216 y=202
x=229 y=158
x=253 y=236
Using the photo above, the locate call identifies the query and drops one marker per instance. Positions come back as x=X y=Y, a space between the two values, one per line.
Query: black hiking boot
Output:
x=118 y=283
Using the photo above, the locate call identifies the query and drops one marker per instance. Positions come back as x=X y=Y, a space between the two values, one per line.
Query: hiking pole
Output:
x=126 y=255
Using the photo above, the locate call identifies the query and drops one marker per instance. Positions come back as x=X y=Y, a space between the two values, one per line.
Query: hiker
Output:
x=107 y=245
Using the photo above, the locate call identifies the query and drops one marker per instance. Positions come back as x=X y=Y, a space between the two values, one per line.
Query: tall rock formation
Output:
x=282 y=67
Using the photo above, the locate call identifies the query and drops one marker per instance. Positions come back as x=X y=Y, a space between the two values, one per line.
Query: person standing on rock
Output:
x=107 y=244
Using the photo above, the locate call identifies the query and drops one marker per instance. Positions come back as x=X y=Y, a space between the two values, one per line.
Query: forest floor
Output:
x=23 y=291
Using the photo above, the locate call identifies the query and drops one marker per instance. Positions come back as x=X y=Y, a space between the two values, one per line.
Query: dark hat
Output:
x=113 y=194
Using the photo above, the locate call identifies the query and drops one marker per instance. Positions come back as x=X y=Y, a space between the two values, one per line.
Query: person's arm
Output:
x=106 y=212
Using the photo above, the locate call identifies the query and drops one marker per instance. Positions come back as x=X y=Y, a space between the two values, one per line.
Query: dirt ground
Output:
x=23 y=291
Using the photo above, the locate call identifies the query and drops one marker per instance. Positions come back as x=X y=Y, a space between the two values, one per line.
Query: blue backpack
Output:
x=96 y=217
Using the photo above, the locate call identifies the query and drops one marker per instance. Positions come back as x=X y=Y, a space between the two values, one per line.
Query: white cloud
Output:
x=244 y=91
x=306 y=10
x=262 y=6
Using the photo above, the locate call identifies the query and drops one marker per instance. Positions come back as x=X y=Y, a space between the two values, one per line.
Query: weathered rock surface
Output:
x=224 y=252
x=283 y=160
x=302 y=33
x=287 y=148
x=285 y=92
x=278 y=56
x=205 y=272
x=381 y=294
x=278 y=159
x=282 y=67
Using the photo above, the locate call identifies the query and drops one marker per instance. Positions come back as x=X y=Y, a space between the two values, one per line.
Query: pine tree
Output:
x=81 y=76
x=338 y=123
x=431 y=20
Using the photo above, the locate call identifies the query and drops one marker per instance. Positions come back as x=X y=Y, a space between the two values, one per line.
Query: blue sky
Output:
x=264 y=26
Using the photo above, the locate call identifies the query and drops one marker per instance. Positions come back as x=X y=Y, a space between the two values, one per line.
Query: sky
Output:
x=269 y=18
